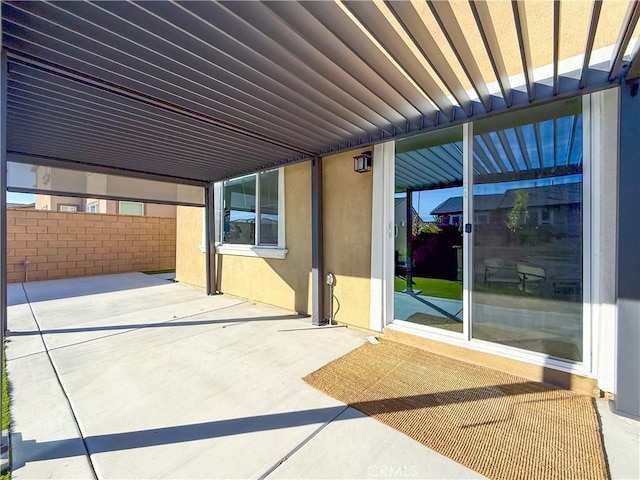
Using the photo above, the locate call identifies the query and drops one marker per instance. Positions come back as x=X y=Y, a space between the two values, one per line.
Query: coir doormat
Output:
x=501 y=426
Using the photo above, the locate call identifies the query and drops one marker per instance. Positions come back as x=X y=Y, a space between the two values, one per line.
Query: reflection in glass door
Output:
x=428 y=230
x=527 y=240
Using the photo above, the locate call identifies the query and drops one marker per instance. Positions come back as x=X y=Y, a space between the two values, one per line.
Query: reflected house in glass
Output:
x=401 y=232
x=553 y=205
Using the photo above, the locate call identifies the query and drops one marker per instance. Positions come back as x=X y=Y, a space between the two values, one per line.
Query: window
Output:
x=546 y=216
x=92 y=208
x=253 y=215
x=482 y=218
x=131 y=208
x=68 y=208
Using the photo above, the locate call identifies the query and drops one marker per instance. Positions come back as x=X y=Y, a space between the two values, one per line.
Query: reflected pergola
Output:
x=528 y=151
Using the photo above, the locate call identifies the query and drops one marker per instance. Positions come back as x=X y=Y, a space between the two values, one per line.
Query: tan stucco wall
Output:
x=156 y=210
x=284 y=283
x=50 y=202
x=190 y=261
x=347 y=236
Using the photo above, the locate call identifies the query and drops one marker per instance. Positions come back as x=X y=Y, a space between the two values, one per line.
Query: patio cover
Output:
x=197 y=92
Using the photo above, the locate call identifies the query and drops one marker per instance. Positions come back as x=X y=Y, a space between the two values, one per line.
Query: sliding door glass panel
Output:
x=428 y=230
x=527 y=237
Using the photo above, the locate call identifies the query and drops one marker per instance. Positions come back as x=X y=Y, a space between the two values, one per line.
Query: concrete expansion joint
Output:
x=72 y=410
x=301 y=444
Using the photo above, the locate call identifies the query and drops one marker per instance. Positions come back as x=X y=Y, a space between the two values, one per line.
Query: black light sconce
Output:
x=362 y=162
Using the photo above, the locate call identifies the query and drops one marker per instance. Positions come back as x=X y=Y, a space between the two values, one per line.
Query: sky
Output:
x=20 y=197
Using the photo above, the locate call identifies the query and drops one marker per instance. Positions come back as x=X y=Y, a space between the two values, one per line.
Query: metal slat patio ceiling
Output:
x=201 y=91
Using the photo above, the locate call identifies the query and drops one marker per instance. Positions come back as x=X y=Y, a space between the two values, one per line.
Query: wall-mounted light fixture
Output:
x=362 y=162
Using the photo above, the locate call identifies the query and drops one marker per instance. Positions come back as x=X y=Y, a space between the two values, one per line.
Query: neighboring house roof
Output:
x=480 y=202
x=401 y=209
x=552 y=195
x=21 y=205
x=450 y=205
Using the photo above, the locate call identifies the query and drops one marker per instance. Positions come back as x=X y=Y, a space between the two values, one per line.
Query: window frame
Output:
x=68 y=208
x=278 y=251
x=542 y=220
x=120 y=202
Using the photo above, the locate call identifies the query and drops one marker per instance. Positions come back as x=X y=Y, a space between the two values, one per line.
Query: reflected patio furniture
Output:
x=497 y=271
x=532 y=278
x=567 y=288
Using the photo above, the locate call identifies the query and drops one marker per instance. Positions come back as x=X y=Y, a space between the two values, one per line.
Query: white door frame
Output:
x=382 y=236
x=382 y=267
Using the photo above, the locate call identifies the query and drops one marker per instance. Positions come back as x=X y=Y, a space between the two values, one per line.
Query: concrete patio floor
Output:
x=133 y=376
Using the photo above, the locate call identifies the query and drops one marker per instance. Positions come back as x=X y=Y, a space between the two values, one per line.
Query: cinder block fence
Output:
x=63 y=245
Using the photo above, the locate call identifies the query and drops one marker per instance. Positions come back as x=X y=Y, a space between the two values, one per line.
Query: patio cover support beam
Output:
x=520 y=19
x=492 y=45
x=210 y=244
x=629 y=24
x=556 y=46
x=446 y=18
x=591 y=35
x=3 y=219
x=317 y=257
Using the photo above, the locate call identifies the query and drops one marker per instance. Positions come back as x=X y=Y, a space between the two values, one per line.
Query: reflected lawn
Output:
x=431 y=287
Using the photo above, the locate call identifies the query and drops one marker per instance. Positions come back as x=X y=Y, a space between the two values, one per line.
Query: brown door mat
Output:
x=500 y=425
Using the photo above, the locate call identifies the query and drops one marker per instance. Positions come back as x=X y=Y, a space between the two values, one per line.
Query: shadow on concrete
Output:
x=435 y=307
x=79 y=287
x=31 y=450
x=168 y=323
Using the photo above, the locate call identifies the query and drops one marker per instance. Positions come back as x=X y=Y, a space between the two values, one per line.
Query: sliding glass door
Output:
x=428 y=230
x=527 y=240
x=522 y=210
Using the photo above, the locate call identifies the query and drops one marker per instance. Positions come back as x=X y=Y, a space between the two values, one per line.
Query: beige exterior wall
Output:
x=150 y=209
x=63 y=245
x=49 y=202
x=286 y=283
x=283 y=283
x=190 y=261
x=156 y=210
x=347 y=198
x=52 y=202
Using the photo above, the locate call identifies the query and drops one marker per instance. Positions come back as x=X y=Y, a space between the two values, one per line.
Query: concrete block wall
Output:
x=63 y=245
